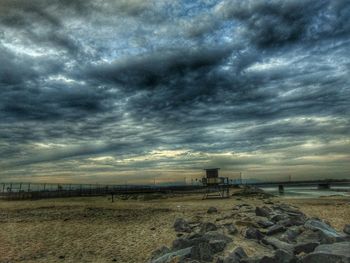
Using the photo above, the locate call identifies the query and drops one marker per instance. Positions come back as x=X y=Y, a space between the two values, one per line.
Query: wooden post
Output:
x=281 y=189
x=29 y=187
x=112 y=197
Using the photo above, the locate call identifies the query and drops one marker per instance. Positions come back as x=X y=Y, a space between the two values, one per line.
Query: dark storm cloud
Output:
x=275 y=23
x=81 y=79
x=161 y=68
x=36 y=25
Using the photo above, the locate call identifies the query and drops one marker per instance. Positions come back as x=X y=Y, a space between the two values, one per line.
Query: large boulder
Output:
x=329 y=234
x=336 y=252
x=181 y=225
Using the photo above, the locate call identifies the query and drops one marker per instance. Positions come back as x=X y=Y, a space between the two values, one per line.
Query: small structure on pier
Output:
x=216 y=187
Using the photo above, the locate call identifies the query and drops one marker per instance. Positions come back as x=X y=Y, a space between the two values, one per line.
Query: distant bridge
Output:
x=320 y=184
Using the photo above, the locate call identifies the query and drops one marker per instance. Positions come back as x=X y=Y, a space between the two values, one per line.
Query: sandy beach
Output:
x=94 y=229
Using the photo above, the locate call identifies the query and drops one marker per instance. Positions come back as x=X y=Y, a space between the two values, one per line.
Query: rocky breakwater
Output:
x=276 y=233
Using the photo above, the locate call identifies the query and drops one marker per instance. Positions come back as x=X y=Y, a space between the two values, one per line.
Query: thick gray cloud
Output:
x=93 y=90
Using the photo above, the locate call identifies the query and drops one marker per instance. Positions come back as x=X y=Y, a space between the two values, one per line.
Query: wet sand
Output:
x=96 y=230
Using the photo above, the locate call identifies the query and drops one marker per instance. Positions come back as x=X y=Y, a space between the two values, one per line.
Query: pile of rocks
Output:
x=288 y=234
x=251 y=191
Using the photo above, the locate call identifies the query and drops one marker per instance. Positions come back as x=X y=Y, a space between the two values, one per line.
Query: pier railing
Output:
x=18 y=191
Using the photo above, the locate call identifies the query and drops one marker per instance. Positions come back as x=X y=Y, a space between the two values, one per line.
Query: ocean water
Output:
x=309 y=192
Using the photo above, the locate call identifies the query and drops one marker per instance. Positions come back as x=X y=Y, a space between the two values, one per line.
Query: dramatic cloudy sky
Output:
x=131 y=90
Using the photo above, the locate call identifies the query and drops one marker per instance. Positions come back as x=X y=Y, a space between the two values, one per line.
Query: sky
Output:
x=136 y=91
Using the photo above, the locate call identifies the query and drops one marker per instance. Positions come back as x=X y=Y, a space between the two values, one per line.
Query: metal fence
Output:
x=18 y=191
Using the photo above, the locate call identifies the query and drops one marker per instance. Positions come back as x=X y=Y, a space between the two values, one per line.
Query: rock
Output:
x=61 y=257
x=337 y=252
x=181 y=225
x=252 y=192
x=279 y=217
x=278 y=244
x=329 y=234
x=311 y=236
x=181 y=243
x=217 y=245
x=212 y=210
x=245 y=205
x=291 y=234
x=253 y=233
x=160 y=252
x=287 y=209
x=231 y=229
x=305 y=247
x=275 y=229
x=207 y=226
x=280 y=256
x=239 y=251
x=346 y=229
x=235 y=256
x=179 y=255
x=246 y=223
x=191 y=241
x=264 y=223
x=250 y=260
x=214 y=235
x=263 y=211
x=293 y=221
x=202 y=252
